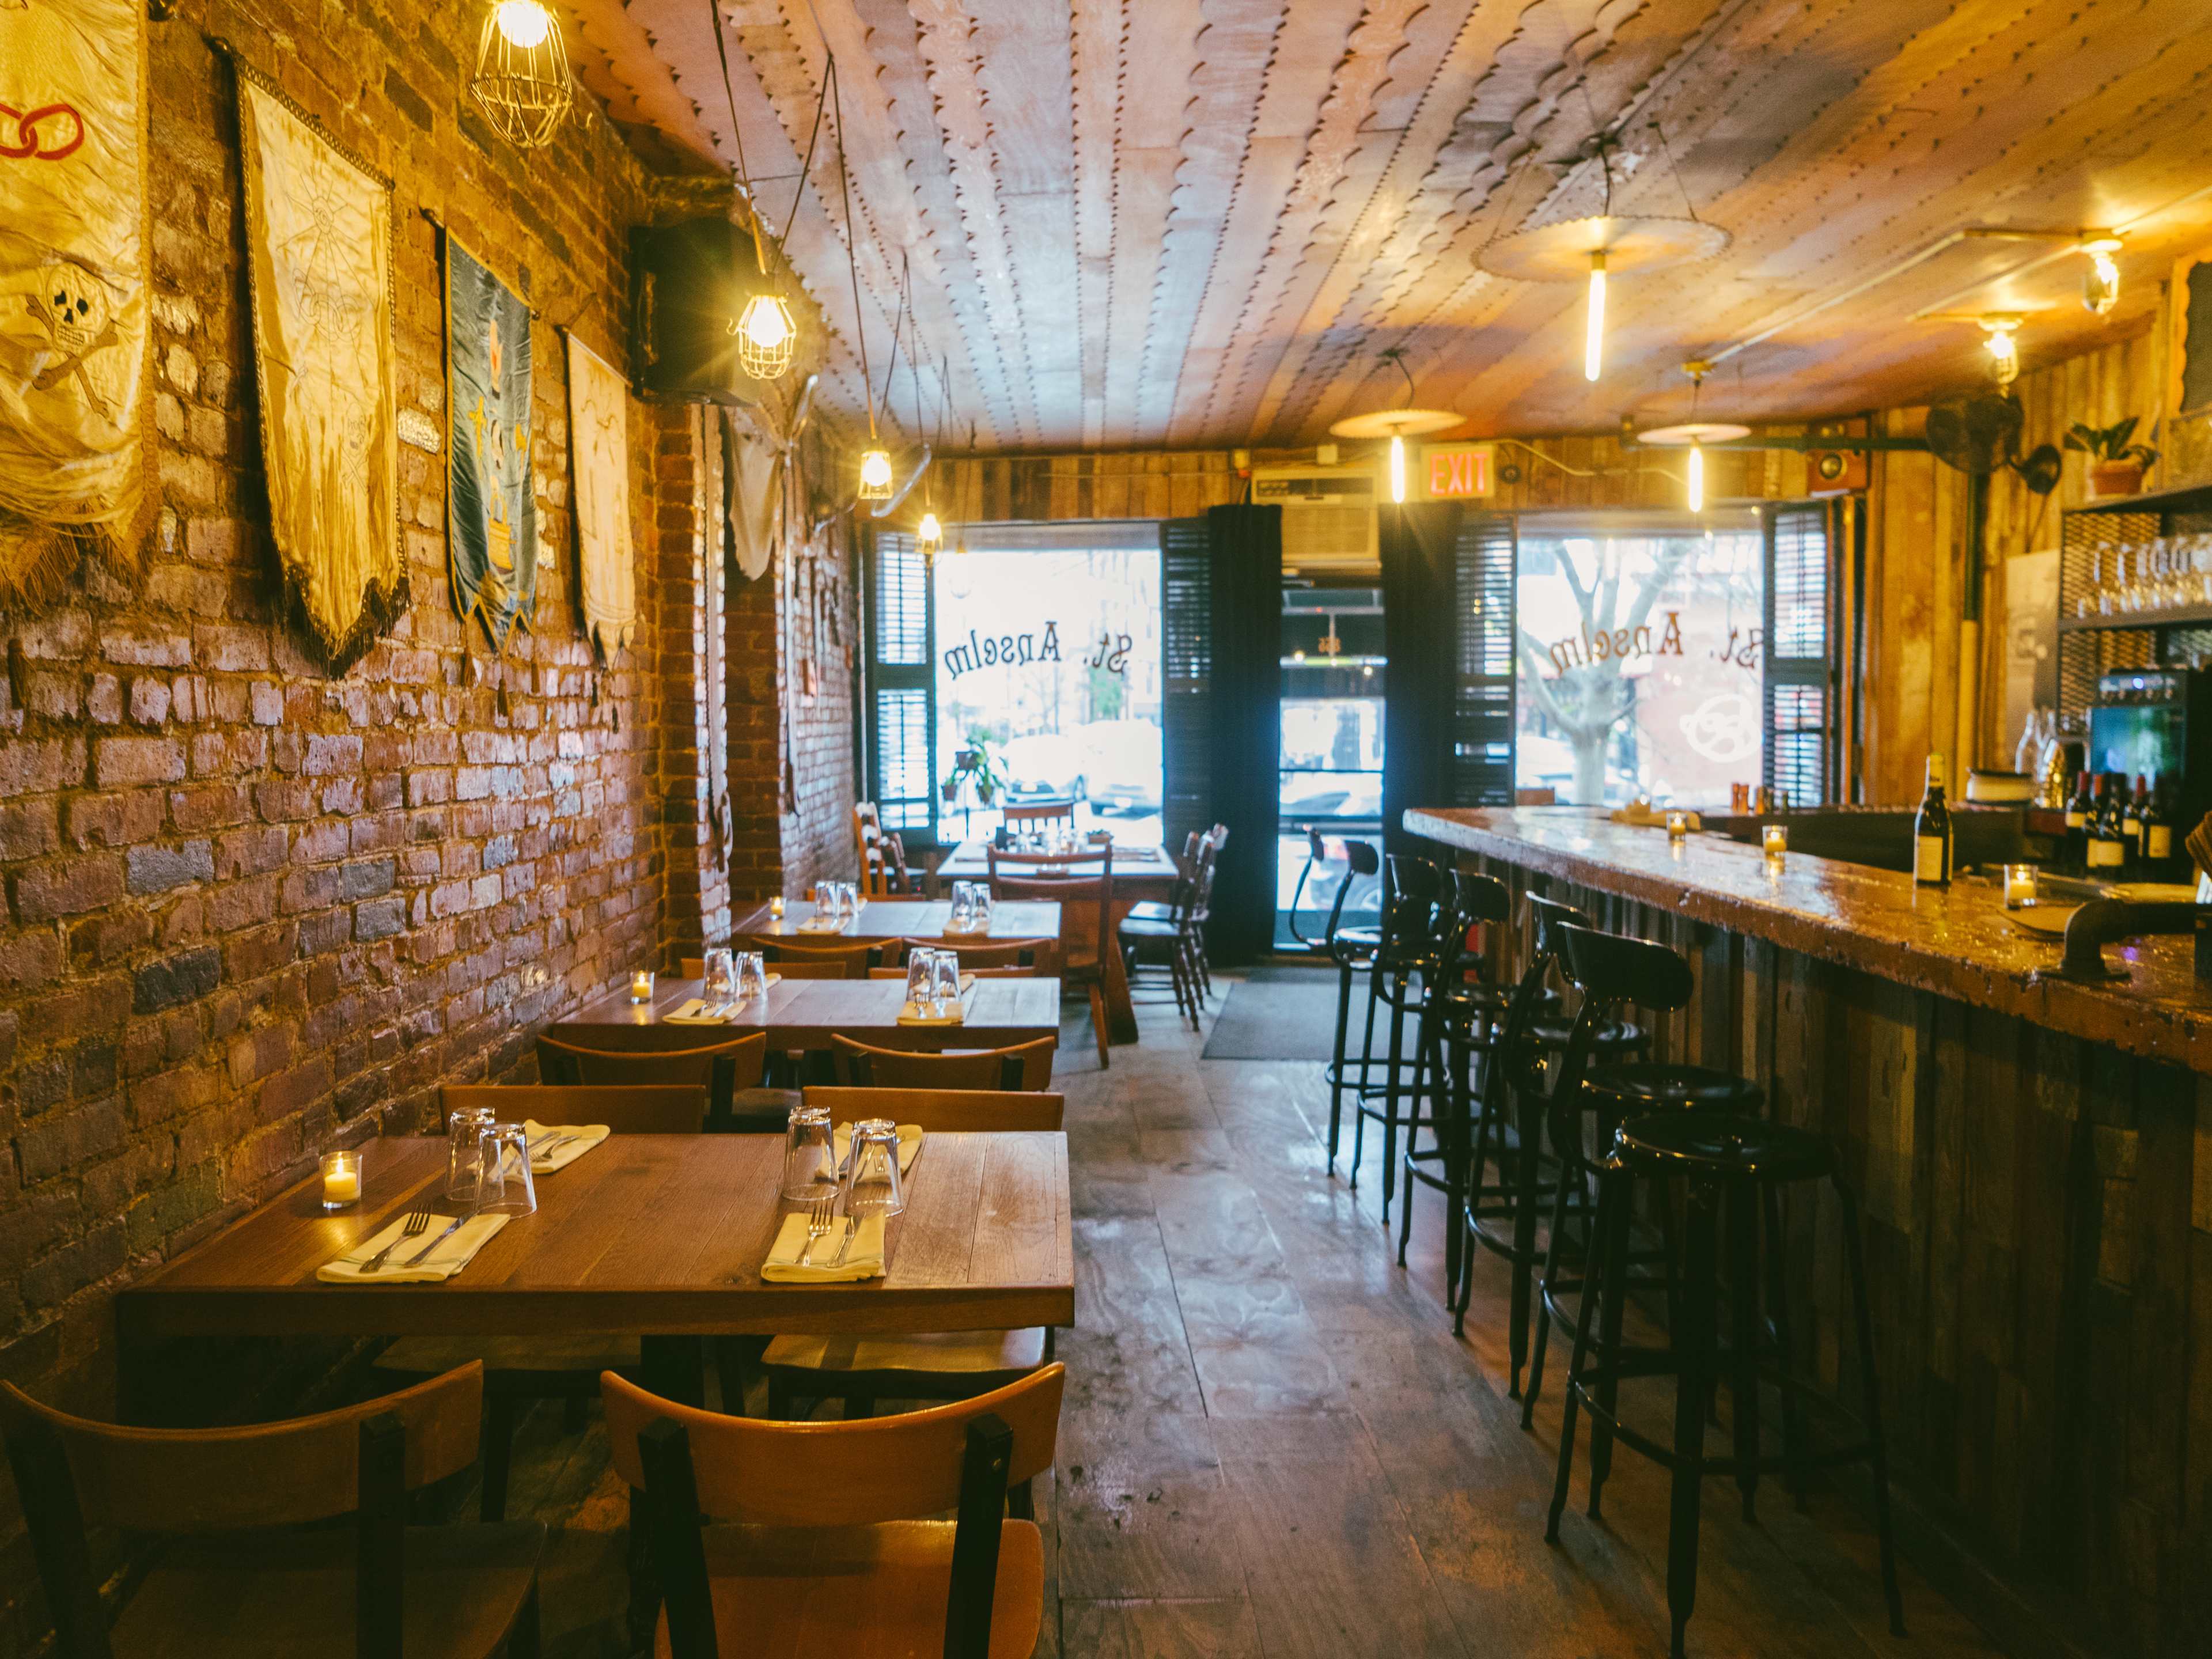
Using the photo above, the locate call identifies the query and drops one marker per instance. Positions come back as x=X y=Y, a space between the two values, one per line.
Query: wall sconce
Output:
x=2003 y=330
x=2100 y=288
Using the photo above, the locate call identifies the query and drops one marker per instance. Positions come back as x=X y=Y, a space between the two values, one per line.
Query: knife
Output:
x=453 y=1227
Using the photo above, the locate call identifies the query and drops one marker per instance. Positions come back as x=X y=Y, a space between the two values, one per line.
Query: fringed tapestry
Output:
x=74 y=297
x=491 y=508
x=598 y=438
x=318 y=259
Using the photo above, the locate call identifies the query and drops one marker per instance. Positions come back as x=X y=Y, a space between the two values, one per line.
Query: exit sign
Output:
x=1458 y=473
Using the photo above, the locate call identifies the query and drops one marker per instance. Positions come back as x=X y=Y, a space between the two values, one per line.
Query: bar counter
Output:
x=2035 y=1171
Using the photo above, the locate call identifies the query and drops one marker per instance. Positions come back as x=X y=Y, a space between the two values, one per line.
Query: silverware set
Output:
x=417 y=1223
x=821 y=1221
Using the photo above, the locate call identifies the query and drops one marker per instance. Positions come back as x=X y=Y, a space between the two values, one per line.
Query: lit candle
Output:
x=641 y=986
x=1775 y=838
x=2019 y=886
x=341 y=1180
x=1678 y=825
x=775 y=908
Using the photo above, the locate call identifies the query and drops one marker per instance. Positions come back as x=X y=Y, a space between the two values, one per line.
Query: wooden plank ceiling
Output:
x=1129 y=223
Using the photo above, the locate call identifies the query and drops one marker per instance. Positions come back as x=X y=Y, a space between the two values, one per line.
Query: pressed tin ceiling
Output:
x=1135 y=223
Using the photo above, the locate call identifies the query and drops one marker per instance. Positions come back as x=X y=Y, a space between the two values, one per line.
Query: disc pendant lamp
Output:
x=1396 y=424
x=1694 y=435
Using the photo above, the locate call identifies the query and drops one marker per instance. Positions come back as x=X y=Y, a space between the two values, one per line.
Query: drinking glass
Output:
x=945 y=982
x=720 y=983
x=982 y=900
x=964 y=904
x=464 y=1130
x=506 y=1186
x=848 y=899
x=751 y=975
x=809 y=1155
x=922 y=981
x=871 y=1172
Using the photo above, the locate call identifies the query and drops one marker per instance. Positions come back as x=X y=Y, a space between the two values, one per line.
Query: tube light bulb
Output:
x=1594 y=332
x=1397 y=468
x=2004 y=348
x=524 y=22
x=2100 y=288
x=1697 y=477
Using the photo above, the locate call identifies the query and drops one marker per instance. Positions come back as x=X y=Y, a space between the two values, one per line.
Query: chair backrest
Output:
x=996 y=953
x=962 y=1457
x=720 y=1067
x=666 y=1110
x=945 y=1111
x=855 y=960
x=1410 y=914
x=1086 y=901
x=1523 y=1062
x=971 y=973
x=1041 y=811
x=1609 y=969
x=787 y=970
x=1021 y=1065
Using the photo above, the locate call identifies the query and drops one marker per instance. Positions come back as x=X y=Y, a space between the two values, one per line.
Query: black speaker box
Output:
x=688 y=284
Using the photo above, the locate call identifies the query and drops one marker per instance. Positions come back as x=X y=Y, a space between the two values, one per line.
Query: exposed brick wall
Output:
x=253 y=910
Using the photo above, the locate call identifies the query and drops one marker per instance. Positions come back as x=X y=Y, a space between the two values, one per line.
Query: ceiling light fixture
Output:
x=1695 y=434
x=2002 y=330
x=767 y=332
x=2100 y=288
x=1396 y=424
x=1594 y=319
x=521 y=82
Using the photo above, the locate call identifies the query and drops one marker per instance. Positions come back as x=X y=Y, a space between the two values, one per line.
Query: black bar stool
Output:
x=1405 y=958
x=1509 y=1124
x=1353 y=949
x=1611 y=973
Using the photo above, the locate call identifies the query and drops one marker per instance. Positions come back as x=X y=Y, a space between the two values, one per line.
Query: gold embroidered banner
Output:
x=73 y=287
x=598 y=438
x=318 y=250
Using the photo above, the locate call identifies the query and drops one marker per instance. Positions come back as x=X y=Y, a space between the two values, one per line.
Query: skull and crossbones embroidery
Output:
x=80 y=319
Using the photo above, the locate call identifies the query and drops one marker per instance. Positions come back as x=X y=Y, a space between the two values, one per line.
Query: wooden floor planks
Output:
x=1275 y=1449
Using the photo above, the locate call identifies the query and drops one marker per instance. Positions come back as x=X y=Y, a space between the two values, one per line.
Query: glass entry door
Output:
x=1329 y=774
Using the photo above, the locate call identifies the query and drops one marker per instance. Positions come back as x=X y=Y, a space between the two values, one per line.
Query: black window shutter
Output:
x=1486 y=557
x=1800 y=680
x=902 y=687
x=1187 y=677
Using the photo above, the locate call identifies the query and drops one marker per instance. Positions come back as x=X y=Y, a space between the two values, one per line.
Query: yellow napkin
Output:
x=699 y=1012
x=447 y=1258
x=910 y=1139
x=864 y=1260
x=908 y=1017
x=585 y=1136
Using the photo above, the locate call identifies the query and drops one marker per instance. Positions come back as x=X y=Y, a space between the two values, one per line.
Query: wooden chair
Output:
x=971 y=972
x=722 y=1067
x=853 y=960
x=949 y=1366
x=369 y=1589
x=1025 y=819
x=978 y=955
x=882 y=855
x=653 y=1110
x=1166 y=939
x=836 y=1549
x=1086 y=915
x=1025 y=1066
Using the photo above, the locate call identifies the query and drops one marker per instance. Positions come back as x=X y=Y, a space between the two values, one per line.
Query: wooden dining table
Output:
x=1142 y=875
x=658 y=1236
x=805 y=1013
x=928 y=920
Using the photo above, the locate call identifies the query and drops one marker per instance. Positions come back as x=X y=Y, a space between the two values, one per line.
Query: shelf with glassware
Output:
x=2135 y=590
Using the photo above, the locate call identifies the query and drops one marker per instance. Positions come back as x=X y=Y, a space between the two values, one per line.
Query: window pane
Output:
x=902 y=601
x=902 y=752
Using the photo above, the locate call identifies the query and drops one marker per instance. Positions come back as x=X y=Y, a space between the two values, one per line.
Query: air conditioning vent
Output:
x=1329 y=517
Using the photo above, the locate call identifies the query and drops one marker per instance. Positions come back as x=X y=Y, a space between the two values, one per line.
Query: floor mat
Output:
x=1283 y=1016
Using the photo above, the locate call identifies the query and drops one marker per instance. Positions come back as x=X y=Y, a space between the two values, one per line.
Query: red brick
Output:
x=138 y=760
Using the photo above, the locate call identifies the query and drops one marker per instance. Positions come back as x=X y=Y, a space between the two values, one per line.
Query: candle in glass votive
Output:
x=2019 y=886
x=1775 y=838
x=341 y=1180
x=775 y=908
x=1678 y=825
x=641 y=986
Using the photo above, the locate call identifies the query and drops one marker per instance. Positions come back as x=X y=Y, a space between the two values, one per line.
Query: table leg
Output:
x=675 y=1369
x=1121 y=1006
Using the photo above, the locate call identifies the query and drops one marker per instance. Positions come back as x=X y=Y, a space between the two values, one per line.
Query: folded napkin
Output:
x=910 y=1136
x=446 y=1258
x=822 y=925
x=582 y=1137
x=907 y=1016
x=699 y=1012
x=1644 y=812
x=864 y=1260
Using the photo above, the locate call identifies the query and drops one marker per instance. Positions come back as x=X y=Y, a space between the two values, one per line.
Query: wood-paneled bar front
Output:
x=2034 y=1165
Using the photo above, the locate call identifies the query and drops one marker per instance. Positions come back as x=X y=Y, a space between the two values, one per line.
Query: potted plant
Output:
x=2116 y=465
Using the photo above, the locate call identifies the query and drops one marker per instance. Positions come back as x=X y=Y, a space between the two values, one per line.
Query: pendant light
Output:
x=1599 y=250
x=521 y=82
x=1694 y=435
x=767 y=333
x=2100 y=288
x=2001 y=330
x=1396 y=424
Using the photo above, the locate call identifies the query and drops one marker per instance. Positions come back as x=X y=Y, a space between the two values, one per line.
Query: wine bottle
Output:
x=1931 y=832
x=2106 y=857
x=2131 y=825
x=2078 y=811
x=2157 y=834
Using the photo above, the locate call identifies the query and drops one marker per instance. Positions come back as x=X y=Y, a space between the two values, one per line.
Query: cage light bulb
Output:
x=1397 y=468
x=1697 y=477
x=2004 y=350
x=2100 y=288
x=930 y=530
x=524 y=22
x=875 y=475
x=766 y=322
x=1594 y=330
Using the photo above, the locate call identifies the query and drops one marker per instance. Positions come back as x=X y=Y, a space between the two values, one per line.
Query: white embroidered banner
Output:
x=599 y=440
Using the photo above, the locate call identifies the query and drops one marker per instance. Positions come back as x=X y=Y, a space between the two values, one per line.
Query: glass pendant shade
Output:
x=521 y=82
x=875 y=475
x=767 y=337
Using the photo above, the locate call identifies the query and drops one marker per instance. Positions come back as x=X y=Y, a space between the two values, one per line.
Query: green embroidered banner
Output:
x=492 y=507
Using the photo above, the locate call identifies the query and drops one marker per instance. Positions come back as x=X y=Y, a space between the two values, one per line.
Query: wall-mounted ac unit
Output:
x=1329 y=517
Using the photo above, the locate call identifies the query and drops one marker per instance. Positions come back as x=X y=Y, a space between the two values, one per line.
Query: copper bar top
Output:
x=1956 y=942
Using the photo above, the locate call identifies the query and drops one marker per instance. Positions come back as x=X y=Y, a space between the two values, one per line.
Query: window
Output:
x=901 y=770
x=1800 y=693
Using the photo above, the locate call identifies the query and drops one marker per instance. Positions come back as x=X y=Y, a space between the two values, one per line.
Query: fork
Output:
x=819 y=1216
x=417 y=1223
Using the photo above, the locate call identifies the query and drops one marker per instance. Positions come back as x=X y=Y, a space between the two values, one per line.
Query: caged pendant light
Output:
x=767 y=333
x=521 y=82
